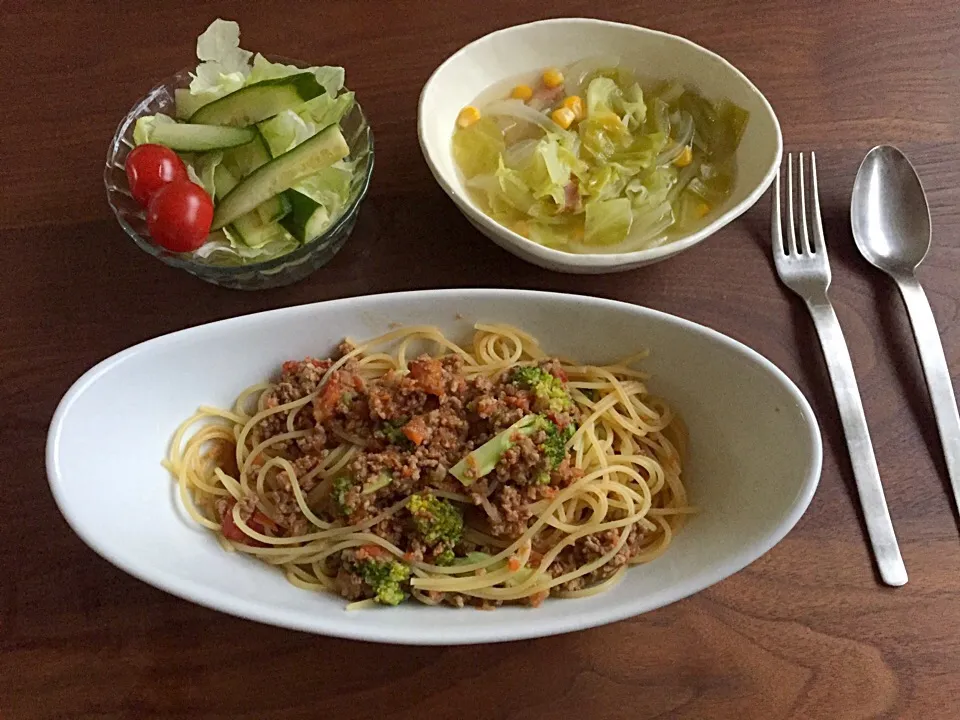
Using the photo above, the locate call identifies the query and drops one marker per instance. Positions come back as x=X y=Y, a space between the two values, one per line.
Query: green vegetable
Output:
x=386 y=577
x=554 y=447
x=607 y=221
x=342 y=485
x=291 y=127
x=318 y=200
x=146 y=125
x=643 y=165
x=392 y=430
x=550 y=391
x=484 y=459
x=186 y=137
x=253 y=103
x=380 y=482
x=436 y=520
x=281 y=174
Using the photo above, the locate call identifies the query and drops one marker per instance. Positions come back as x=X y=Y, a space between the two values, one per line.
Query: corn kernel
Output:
x=685 y=157
x=575 y=103
x=563 y=117
x=703 y=209
x=468 y=116
x=552 y=78
x=522 y=92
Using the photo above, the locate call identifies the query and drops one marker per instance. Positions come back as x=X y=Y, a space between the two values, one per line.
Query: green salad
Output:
x=263 y=139
x=589 y=159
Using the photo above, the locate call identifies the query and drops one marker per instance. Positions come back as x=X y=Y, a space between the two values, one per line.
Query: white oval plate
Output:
x=753 y=464
x=559 y=42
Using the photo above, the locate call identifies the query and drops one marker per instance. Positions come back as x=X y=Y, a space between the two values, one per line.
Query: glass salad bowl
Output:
x=276 y=272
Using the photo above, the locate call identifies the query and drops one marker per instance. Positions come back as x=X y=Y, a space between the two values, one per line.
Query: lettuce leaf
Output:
x=203 y=169
x=330 y=78
x=142 y=131
x=477 y=149
x=291 y=127
x=607 y=221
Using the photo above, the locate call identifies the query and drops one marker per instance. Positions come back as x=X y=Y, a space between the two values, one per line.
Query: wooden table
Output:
x=805 y=632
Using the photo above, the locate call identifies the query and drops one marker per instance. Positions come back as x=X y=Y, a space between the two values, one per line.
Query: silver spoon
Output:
x=891 y=226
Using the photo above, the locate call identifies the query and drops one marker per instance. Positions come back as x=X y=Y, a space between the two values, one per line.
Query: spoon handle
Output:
x=937 y=372
x=883 y=540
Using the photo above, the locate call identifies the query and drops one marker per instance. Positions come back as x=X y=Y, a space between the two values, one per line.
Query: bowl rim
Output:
x=182 y=260
x=562 y=258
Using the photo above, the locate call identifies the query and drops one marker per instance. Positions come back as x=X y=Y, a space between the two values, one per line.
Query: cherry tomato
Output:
x=150 y=167
x=179 y=216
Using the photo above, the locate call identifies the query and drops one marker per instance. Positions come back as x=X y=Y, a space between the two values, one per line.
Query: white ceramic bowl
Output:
x=752 y=467
x=557 y=43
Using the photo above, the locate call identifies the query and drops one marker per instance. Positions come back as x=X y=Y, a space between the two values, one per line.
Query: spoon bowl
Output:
x=889 y=213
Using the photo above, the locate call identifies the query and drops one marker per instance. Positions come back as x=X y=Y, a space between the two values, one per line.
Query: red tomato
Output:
x=179 y=216
x=149 y=168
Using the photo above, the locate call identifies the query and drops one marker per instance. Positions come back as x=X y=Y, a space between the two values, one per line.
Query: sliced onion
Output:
x=684 y=137
x=579 y=71
x=518 y=154
x=519 y=111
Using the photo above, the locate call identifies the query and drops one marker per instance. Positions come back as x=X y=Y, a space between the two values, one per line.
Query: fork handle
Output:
x=865 y=472
x=937 y=372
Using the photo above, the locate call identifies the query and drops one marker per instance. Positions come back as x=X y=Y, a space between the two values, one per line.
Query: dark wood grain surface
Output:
x=805 y=632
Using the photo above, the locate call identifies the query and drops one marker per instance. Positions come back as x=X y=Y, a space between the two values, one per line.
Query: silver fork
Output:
x=804 y=268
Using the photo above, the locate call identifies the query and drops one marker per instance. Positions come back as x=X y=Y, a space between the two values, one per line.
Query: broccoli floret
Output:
x=342 y=485
x=385 y=577
x=550 y=390
x=393 y=432
x=445 y=558
x=484 y=459
x=554 y=448
x=436 y=520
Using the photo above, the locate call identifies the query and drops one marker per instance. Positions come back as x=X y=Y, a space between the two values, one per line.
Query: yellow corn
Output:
x=522 y=92
x=552 y=78
x=684 y=158
x=703 y=209
x=468 y=116
x=575 y=103
x=563 y=116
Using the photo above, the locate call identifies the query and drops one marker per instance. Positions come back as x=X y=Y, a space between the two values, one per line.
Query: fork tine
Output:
x=819 y=242
x=804 y=222
x=792 y=240
x=776 y=232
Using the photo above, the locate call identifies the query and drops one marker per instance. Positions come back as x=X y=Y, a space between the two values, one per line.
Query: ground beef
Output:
x=412 y=428
x=588 y=549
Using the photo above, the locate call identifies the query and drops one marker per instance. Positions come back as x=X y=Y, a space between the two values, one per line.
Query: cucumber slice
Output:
x=269 y=211
x=243 y=160
x=200 y=138
x=254 y=233
x=274 y=209
x=281 y=173
x=262 y=100
x=224 y=180
x=307 y=219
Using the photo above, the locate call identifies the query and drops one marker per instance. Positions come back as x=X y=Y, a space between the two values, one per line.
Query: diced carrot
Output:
x=328 y=399
x=260 y=522
x=370 y=551
x=230 y=529
x=428 y=373
x=536 y=600
x=416 y=430
x=513 y=563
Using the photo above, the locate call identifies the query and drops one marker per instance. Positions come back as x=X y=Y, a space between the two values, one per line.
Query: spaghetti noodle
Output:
x=481 y=475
